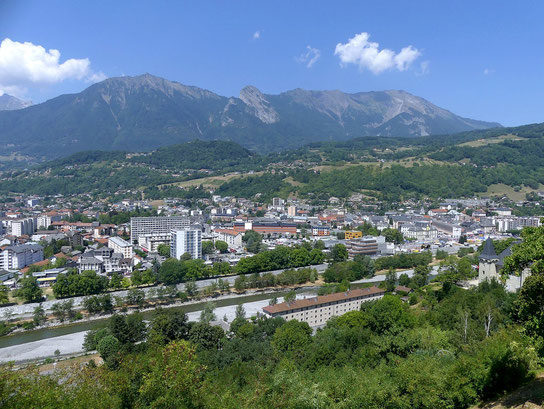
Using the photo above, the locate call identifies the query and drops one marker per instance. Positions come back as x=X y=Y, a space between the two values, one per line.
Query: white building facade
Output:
x=17 y=257
x=120 y=246
x=187 y=240
x=140 y=226
x=316 y=311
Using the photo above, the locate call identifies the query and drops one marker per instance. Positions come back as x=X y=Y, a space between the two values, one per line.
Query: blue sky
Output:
x=483 y=60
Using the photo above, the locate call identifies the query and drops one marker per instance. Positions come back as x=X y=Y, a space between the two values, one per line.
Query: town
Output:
x=44 y=242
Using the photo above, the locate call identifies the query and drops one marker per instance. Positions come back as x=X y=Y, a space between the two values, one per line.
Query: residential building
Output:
x=120 y=246
x=75 y=238
x=17 y=257
x=45 y=220
x=321 y=231
x=104 y=260
x=292 y=211
x=232 y=237
x=316 y=311
x=140 y=226
x=356 y=234
x=187 y=240
x=151 y=242
x=22 y=227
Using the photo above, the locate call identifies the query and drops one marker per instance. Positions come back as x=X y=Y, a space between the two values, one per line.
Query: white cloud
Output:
x=257 y=35
x=367 y=55
x=488 y=71
x=26 y=64
x=310 y=57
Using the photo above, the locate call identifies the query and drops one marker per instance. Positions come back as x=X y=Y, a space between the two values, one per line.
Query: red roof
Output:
x=315 y=301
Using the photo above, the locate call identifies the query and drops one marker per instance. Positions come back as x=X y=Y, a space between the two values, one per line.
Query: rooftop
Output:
x=315 y=301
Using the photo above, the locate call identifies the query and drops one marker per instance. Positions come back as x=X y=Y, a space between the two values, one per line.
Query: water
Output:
x=40 y=334
x=45 y=333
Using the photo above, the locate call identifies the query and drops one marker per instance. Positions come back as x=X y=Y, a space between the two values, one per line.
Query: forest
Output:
x=462 y=170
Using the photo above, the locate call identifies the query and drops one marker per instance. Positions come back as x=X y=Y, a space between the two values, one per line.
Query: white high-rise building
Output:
x=21 y=227
x=187 y=240
x=140 y=226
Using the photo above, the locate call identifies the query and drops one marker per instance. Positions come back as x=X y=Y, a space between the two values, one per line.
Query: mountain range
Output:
x=146 y=112
x=10 y=103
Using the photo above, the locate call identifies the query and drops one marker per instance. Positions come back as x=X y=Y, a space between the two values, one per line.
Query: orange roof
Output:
x=232 y=232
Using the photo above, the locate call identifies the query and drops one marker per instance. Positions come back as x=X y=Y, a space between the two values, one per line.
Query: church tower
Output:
x=488 y=263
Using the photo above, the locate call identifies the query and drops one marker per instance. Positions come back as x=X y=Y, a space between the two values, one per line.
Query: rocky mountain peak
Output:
x=11 y=103
x=258 y=105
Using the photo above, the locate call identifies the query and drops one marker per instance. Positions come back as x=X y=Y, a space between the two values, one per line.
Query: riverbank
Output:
x=26 y=311
x=72 y=343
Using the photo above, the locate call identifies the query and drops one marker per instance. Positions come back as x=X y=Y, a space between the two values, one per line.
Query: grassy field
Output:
x=489 y=141
x=501 y=189
x=213 y=181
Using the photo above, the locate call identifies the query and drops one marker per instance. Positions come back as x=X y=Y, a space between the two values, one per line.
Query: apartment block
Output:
x=187 y=240
x=120 y=246
x=316 y=311
x=140 y=226
x=17 y=257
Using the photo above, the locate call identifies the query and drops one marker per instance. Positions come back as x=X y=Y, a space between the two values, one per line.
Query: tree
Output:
x=115 y=281
x=293 y=336
x=183 y=387
x=136 y=297
x=93 y=337
x=393 y=236
x=206 y=335
x=136 y=277
x=207 y=247
x=30 y=291
x=167 y=325
x=339 y=253
x=92 y=305
x=253 y=241
x=240 y=283
x=39 y=316
x=319 y=245
x=4 y=298
x=404 y=280
x=290 y=296
x=390 y=280
x=207 y=315
x=240 y=312
x=222 y=246
x=191 y=288
x=108 y=348
x=420 y=277
x=388 y=315
x=128 y=329
x=64 y=310
x=164 y=250
x=530 y=308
